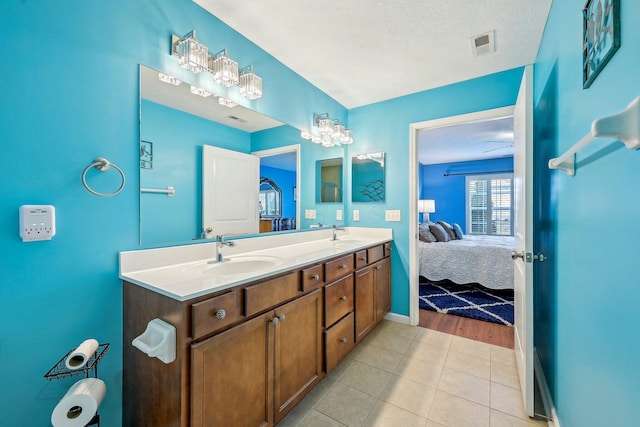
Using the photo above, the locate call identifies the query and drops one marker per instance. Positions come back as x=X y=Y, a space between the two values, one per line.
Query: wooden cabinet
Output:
x=245 y=356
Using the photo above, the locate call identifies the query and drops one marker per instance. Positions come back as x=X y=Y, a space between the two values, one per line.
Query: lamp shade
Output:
x=427 y=206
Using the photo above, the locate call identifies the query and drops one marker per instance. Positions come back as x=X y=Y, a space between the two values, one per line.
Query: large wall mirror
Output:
x=175 y=124
x=329 y=180
x=367 y=177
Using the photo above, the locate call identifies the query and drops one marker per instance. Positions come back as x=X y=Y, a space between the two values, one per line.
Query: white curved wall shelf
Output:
x=624 y=126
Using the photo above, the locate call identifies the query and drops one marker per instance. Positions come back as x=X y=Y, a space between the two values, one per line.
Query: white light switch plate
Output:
x=392 y=216
x=356 y=215
x=339 y=215
x=310 y=214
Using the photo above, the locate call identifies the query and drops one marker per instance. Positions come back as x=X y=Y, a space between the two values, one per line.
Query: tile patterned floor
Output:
x=411 y=376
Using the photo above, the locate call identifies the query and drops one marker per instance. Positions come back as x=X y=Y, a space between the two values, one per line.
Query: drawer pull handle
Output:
x=379 y=267
x=343 y=267
x=343 y=298
x=315 y=277
x=221 y=314
x=343 y=340
x=362 y=259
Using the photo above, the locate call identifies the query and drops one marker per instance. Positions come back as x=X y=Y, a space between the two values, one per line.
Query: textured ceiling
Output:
x=364 y=51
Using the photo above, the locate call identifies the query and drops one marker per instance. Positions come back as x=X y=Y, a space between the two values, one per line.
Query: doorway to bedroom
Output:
x=463 y=267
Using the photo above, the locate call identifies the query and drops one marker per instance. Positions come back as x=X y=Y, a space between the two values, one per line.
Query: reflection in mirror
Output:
x=367 y=177
x=175 y=124
x=270 y=199
x=329 y=180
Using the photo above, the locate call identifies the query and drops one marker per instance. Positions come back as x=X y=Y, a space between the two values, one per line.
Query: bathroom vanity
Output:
x=254 y=334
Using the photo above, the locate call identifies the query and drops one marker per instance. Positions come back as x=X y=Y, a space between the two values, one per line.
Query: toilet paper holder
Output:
x=158 y=340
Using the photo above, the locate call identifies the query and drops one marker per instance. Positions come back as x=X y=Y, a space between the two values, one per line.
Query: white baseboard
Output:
x=398 y=318
x=547 y=401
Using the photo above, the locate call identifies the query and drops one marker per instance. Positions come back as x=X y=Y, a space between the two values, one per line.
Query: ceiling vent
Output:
x=236 y=118
x=483 y=44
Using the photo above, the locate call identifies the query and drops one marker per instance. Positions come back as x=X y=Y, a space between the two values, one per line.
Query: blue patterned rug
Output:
x=472 y=300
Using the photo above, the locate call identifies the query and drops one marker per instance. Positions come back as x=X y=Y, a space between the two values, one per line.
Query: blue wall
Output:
x=587 y=335
x=69 y=85
x=449 y=192
x=286 y=180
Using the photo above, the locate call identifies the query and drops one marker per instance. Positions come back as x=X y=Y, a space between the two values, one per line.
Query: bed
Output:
x=472 y=259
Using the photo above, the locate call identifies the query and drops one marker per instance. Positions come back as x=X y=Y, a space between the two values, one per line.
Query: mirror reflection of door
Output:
x=329 y=180
x=276 y=200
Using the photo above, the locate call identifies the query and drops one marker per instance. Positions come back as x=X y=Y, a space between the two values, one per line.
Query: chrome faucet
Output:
x=220 y=242
x=335 y=230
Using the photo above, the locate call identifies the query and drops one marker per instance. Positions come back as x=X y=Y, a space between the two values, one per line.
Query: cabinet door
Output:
x=383 y=288
x=298 y=351
x=231 y=377
x=364 y=304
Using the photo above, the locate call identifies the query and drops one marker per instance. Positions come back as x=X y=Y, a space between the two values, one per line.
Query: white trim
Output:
x=281 y=150
x=495 y=113
x=547 y=401
x=399 y=318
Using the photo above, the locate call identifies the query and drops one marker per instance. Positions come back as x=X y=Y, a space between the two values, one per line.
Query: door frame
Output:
x=494 y=113
x=282 y=150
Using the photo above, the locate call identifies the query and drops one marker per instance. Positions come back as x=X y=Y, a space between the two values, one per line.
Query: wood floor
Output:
x=492 y=333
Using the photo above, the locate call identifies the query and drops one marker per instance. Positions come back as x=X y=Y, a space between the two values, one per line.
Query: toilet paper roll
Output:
x=80 y=356
x=81 y=402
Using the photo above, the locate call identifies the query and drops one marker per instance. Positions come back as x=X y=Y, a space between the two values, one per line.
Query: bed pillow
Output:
x=458 y=230
x=440 y=233
x=425 y=235
x=449 y=229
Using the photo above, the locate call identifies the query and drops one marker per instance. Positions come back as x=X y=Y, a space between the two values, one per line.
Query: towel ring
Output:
x=102 y=165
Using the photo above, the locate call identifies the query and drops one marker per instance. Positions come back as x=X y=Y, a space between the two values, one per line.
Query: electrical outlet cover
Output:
x=37 y=222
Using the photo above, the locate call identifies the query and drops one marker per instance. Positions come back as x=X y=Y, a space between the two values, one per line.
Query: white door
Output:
x=523 y=231
x=230 y=187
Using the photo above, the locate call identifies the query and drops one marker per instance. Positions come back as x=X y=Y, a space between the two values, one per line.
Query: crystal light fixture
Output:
x=347 y=137
x=226 y=102
x=250 y=83
x=305 y=134
x=200 y=92
x=338 y=131
x=316 y=139
x=324 y=123
x=169 y=79
x=192 y=55
x=224 y=69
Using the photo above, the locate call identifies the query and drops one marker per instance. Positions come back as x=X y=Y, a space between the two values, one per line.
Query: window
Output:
x=489 y=204
x=270 y=199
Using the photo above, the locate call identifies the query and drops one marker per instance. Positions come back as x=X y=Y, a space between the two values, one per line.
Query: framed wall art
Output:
x=601 y=37
x=146 y=155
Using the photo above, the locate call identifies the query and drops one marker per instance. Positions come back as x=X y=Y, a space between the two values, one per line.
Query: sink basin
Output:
x=240 y=265
x=348 y=243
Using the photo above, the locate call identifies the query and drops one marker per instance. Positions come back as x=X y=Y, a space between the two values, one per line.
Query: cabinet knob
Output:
x=220 y=314
x=282 y=317
x=343 y=340
x=343 y=267
x=379 y=267
x=275 y=320
x=343 y=298
x=362 y=258
x=315 y=277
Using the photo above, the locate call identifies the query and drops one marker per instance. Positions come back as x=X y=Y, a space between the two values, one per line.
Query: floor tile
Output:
x=408 y=394
x=465 y=385
x=453 y=411
x=365 y=378
x=503 y=355
x=295 y=416
x=434 y=338
x=426 y=351
x=505 y=374
x=386 y=415
x=318 y=419
x=346 y=405
x=379 y=357
x=399 y=329
x=500 y=419
x=423 y=371
x=508 y=400
x=469 y=364
x=475 y=348
x=390 y=341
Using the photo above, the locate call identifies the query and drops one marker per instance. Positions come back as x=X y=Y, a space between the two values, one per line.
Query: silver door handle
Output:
x=515 y=255
x=540 y=257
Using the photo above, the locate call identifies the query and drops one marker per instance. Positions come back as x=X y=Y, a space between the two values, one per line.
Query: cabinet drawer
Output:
x=312 y=277
x=387 y=249
x=338 y=268
x=270 y=293
x=361 y=259
x=375 y=253
x=214 y=314
x=338 y=299
x=338 y=341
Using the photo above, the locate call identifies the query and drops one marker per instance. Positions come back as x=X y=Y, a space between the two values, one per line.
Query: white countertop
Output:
x=184 y=272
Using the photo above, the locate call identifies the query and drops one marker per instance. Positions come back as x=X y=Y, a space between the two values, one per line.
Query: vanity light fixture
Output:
x=347 y=137
x=169 y=79
x=316 y=139
x=226 y=102
x=200 y=92
x=324 y=123
x=305 y=134
x=331 y=132
x=250 y=83
x=224 y=69
x=192 y=55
